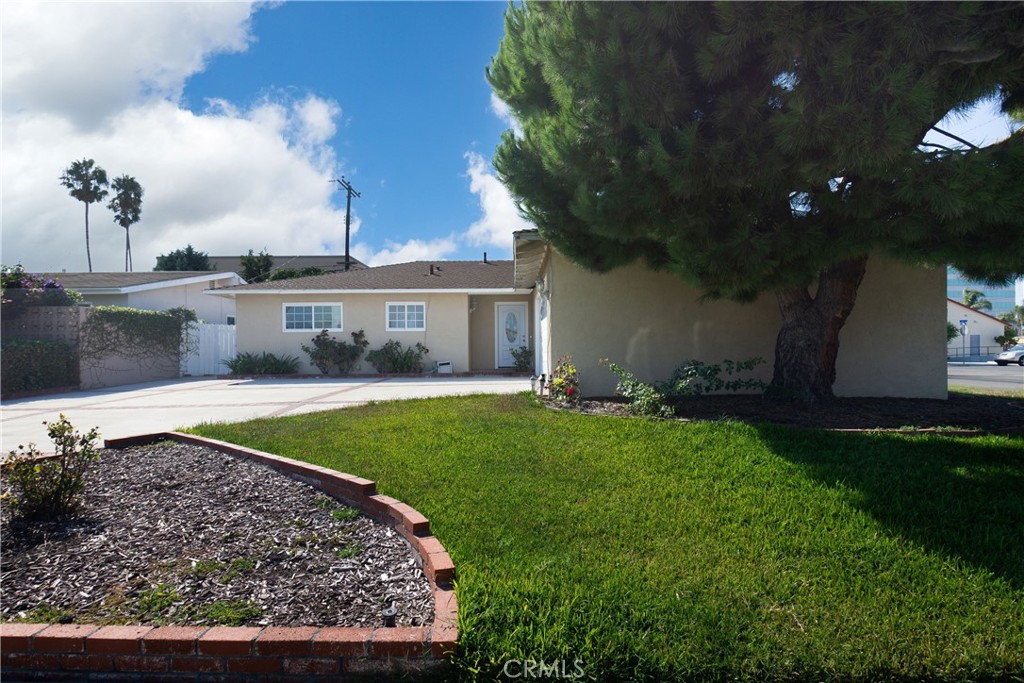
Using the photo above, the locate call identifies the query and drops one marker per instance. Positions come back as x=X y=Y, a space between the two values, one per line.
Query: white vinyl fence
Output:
x=216 y=344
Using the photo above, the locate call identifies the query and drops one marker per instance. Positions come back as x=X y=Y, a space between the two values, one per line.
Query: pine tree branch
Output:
x=955 y=137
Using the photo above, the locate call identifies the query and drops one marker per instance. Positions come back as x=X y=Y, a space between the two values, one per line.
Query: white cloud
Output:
x=225 y=180
x=500 y=215
x=87 y=61
x=502 y=111
x=413 y=250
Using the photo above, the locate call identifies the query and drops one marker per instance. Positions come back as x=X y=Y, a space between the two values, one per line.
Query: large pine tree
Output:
x=765 y=147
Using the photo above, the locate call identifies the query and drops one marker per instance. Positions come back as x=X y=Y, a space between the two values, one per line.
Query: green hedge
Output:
x=29 y=364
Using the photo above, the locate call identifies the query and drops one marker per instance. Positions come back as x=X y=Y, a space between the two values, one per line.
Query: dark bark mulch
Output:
x=182 y=534
x=960 y=411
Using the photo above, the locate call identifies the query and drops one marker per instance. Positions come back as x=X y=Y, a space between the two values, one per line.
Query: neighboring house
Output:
x=982 y=329
x=649 y=322
x=329 y=263
x=1003 y=298
x=157 y=291
x=466 y=312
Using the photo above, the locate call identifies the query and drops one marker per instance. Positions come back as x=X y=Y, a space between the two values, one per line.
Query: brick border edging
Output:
x=307 y=653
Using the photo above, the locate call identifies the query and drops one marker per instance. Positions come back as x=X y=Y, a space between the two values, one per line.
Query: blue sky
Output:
x=235 y=117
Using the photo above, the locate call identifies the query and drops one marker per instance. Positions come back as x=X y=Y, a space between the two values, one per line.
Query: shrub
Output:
x=327 y=351
x=21 y=289
x=565 y=381
x=392 y=358
x=262 y=364
x=1007 y=339
x=29 y=364
x=694 y=377
x=522 y=359
x=50 y=488
x=641 y=398
x=137 y=334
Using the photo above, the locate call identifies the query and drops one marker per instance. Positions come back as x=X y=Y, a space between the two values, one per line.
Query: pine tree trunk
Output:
x=88 y=254
x=808 y=343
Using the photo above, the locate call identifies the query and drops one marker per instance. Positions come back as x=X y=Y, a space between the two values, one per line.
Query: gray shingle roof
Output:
x=451 y=275
x=88 y=281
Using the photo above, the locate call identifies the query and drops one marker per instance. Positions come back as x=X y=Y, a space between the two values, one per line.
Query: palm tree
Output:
x=976 y=300
x=127 y=208
x=1014 y=318
x=86 y=183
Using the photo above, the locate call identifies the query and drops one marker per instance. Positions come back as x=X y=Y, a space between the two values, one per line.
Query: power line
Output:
x=349 y=191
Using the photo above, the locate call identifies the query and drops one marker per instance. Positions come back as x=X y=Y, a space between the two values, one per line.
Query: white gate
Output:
x=216 y=344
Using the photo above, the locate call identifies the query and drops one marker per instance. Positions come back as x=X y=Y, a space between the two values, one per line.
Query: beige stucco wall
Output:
x=259 y=321
x=649 y=322
x=482 y=330
x=211 y=309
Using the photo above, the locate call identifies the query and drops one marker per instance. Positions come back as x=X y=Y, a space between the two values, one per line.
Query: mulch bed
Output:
x=181 y=534
x=961 y=412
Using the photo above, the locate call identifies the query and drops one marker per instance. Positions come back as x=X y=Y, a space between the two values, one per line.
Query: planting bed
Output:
x=203 y=543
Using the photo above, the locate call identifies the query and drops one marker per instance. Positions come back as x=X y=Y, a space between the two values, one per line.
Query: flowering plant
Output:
x=21 y=289
x=565 y=381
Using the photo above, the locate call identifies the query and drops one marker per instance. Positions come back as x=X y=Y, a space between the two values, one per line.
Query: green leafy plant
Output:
x=565 y=381
x=1007 y=339
x=952 y=332
x=262 y=364
x=393 y=358
x=327 y=351
x=137 y=334
x=522 y=359
x=694 y=377
x=29 y=364
x=291 y=273
x=50 y=487
x=641 y=397
x=22 y=290
x=346 y=514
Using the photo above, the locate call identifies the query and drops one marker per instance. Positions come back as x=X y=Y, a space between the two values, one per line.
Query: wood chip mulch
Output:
x=182 y=534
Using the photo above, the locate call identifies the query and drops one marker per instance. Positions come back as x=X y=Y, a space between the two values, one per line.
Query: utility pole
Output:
x=349 y=190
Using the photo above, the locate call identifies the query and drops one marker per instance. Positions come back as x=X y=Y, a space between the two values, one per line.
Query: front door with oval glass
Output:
x=511 y=332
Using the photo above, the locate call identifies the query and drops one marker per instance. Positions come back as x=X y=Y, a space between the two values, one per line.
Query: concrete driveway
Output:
x=162 y=406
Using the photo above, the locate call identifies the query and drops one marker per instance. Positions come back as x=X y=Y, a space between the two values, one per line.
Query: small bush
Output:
x=21 y=290
x=29 y=364
x=694 y=377
x=262 y=364
x=327 y=351
x=392 y=358
x=565 y=381
x=50 y=488
x=522 y=359
x=641 y=398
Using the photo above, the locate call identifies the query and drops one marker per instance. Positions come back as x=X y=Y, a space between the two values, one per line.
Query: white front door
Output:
x=511 y=332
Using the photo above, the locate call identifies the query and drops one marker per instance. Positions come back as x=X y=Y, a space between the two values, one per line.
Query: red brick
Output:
x=414 y=521
x=228 y=640
x=31 y=660
x=342 y=642
x=445 y=603
x=346 y=484
x=289 y=642
x=380 y=506
x=88 y=662
x=140 y=663
x=308 y=666
x=439 y=567
x=398 y=642
x=199 y=664
x=18 y=637
x=117 y=640
x=172 y=640
x=63 y=638
x=255 y=665
x=427 y=545
x=443 y=637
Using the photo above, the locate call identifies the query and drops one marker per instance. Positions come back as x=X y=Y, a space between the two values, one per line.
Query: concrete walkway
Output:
x=162 y=406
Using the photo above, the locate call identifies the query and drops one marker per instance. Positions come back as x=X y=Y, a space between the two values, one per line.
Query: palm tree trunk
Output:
x=88 y=254
x=127 y=252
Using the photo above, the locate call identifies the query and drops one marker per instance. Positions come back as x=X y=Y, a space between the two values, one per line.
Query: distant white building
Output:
x=981 y=328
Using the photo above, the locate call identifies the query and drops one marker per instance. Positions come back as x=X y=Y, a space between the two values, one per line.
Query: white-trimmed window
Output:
x=306 y=317
x=406 y=316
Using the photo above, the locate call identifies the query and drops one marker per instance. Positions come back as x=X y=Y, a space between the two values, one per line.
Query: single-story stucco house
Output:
x=473 y=313
x=466 y=312
x=157 y=291
x=982 y=330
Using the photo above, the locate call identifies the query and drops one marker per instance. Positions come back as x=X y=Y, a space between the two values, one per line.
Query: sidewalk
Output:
x=163 y=406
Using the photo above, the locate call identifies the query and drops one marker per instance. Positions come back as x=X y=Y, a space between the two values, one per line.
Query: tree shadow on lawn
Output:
x=963 y=498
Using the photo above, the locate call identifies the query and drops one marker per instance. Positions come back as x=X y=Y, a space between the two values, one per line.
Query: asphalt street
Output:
x=986 y=376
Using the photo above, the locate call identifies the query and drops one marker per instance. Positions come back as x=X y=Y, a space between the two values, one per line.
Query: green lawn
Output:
x=653 y=550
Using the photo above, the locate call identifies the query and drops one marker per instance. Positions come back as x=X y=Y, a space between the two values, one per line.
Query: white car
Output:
x=1015 y=354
